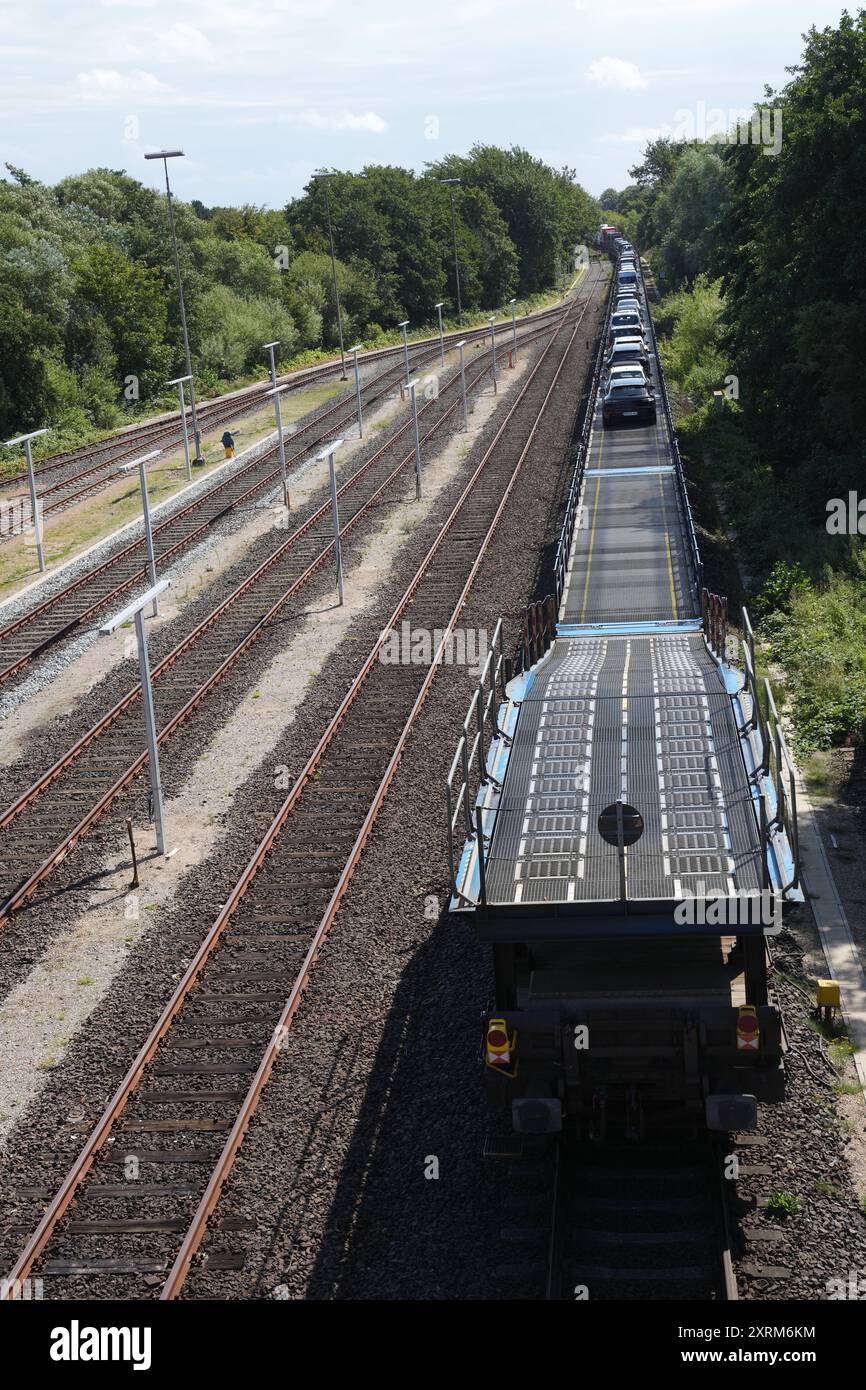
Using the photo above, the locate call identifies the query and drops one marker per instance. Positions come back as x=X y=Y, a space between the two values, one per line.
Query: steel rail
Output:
x=68 y=843
x=85 y=1159
x=227 y=408
x=197 y=503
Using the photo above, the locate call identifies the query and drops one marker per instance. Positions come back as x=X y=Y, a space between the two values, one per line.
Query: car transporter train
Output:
x=628 y=806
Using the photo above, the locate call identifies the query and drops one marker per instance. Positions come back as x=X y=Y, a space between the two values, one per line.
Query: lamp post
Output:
x=136 y=610
x=492 y=322
x=441 y=336
x=451 y=183
x=328 y=453
x=403 y=326
x=25 y=439
x=324 y=174
x=178 y=382
x=512 y=302
x=275 y=392
x=354 y=351
x=165 y=156
x=412 y=385
x=141 y=465
x=461 y=345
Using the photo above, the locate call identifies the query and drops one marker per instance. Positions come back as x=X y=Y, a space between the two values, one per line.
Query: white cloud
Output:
x=343 y=120
x=636 y=134
x=109 y=82
x=616 y=73
x=183 y=41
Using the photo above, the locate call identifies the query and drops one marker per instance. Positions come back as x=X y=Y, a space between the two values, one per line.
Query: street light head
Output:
x=274 y=344
x=440 y=305
x=447 y=180
x=112 y=624
x=461 y=344
x=512 y=301
x=176 y=381
x=404 y=324
x=22 y=438
x=359 y=347
x=164 y=154
x=275 y=390
x=329 y=449
x=145 y=458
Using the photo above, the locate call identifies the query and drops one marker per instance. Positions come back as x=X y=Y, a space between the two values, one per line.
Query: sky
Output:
x=260 y=93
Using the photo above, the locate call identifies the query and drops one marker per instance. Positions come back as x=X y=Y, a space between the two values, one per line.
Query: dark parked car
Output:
x=628 y=400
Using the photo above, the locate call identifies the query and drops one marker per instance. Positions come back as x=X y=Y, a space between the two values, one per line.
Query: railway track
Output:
x=140 y=1196
x=63 y=613
x=102 y=461
x=51 y=815
x=638 y=1221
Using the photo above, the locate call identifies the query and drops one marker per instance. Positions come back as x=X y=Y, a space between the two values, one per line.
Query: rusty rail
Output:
x=62 y=1199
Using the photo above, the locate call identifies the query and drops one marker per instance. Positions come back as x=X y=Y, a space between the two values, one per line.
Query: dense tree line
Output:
x=89 y=321
x=765 y=252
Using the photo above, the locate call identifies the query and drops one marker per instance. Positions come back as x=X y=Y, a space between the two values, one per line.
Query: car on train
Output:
x=627 y=350
x=628 y=399
x=625 y=324
x=627 y=371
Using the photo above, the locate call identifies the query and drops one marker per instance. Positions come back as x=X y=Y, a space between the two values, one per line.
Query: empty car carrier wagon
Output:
x=629 y=817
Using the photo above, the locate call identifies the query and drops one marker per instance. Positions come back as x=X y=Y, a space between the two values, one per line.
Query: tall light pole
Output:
x=136 y=610
x=141 y=465
x=512 y=302
x=451 y=183
x=25 y=439
x=178 y=382
x=403 y=326
x=324 y=174
x=441 y=336
x=165 y=156
x=354 y=351
x=493 y=344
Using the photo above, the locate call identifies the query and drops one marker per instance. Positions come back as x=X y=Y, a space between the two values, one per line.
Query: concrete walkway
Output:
x=840 y=950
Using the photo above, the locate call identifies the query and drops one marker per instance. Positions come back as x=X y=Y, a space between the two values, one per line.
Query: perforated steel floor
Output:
x=645 y=720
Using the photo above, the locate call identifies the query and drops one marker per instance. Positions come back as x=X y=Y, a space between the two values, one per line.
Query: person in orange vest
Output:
x=228 y=444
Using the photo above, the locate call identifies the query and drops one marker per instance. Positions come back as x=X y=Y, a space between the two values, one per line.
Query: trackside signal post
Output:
x=136 y=610
x=328 y=453
x=141 y=465
x=179 y=382
x=34 y=501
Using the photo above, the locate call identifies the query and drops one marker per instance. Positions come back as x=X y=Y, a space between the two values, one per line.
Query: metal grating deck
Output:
x=645 y=719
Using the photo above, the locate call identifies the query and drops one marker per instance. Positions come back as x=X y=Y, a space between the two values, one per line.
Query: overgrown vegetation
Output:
x=89 y=322
x=762 y=261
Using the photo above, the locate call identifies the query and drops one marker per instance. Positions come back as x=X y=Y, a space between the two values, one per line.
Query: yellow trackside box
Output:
x=828 y=994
